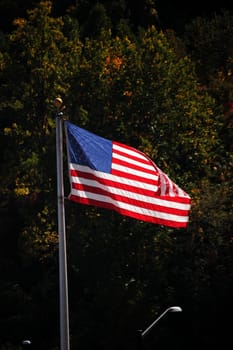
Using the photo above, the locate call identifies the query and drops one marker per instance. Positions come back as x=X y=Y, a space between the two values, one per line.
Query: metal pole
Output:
x=63 y=284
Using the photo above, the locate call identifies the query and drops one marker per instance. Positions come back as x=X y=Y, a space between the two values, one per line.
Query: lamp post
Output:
x=142 y=334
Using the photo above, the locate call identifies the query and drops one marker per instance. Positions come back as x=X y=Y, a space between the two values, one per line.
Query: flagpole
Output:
x=63 y=283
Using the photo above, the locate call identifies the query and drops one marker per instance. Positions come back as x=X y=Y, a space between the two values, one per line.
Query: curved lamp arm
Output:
x=170 y=309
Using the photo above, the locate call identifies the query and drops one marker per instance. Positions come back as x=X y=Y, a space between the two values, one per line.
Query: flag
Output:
x=112 y=175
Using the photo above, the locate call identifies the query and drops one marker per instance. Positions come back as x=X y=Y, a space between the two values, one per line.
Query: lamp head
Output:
x=175 y=309
x=26 y=342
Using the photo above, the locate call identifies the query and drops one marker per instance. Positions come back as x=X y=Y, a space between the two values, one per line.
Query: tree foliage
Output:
x=138 y=88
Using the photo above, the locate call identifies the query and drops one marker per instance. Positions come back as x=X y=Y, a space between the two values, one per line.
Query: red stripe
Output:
x=128 y=213
x=132 y=176
x=118 y=173
x=127 y=147
x=119 y=185
x=130 y=188
x=134 y=166
x=131 y=201
x=176 y=199
x=143 y=159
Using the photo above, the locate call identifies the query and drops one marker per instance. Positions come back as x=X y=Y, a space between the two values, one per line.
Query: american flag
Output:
x=112 y=175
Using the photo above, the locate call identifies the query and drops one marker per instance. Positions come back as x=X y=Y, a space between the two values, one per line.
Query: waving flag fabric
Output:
x=112 y=175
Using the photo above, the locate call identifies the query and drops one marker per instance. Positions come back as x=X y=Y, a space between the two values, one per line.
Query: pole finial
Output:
x=58 y=102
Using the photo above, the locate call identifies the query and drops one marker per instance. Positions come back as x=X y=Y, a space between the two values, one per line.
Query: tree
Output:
x=136 y=89
x=36 y=68
x=209 y=41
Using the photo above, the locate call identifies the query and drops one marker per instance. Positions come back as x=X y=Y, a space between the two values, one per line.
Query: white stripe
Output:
x=132 y=208
x=132 y=195
x=132 y=171
x=162 y=184
x=171 y=189
x=182 y=193
x=117 y=190
x=130 y=152
x=168 y=186
x=134 y=162
x=114 y=178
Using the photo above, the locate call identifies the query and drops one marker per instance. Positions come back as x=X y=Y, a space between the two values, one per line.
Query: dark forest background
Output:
x=157 y=75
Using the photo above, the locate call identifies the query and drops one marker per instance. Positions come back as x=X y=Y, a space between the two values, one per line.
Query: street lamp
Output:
x=26 y=342
x=142 y=334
